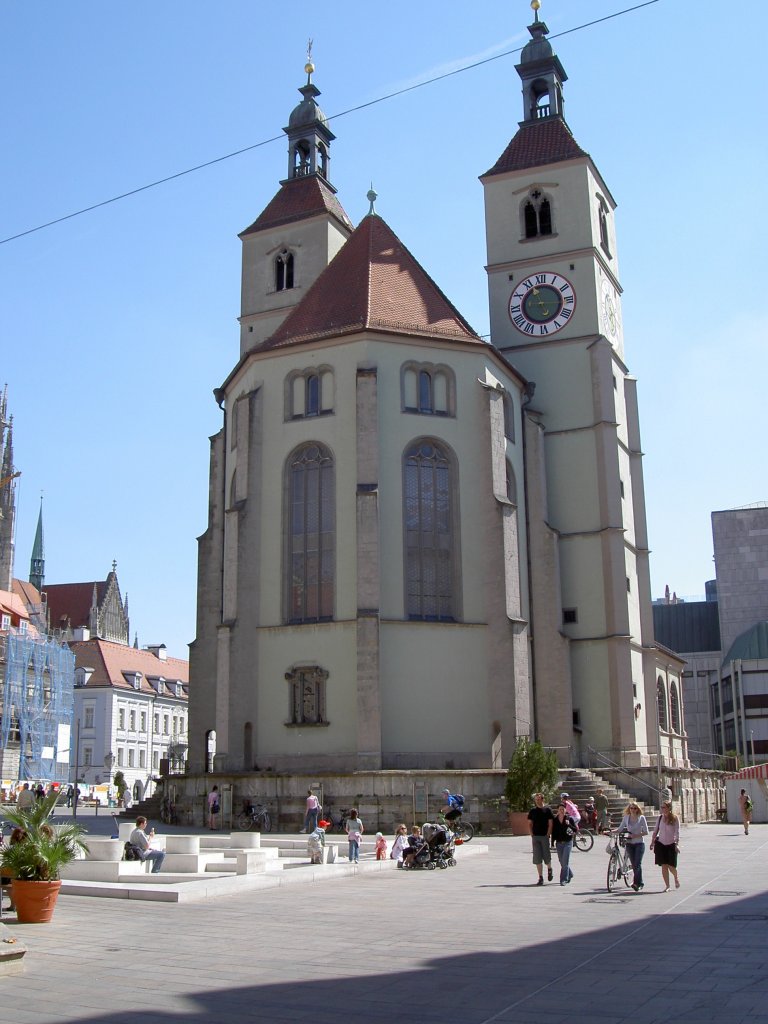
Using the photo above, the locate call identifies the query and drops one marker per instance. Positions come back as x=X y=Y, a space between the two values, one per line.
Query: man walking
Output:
x=540 y=818
x=601 y=807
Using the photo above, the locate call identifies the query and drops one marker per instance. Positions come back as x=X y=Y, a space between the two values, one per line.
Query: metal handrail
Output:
x=617 y=767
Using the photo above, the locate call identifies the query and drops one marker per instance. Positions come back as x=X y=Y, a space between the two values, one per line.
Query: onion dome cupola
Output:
x=541 y=72
x=309 y=137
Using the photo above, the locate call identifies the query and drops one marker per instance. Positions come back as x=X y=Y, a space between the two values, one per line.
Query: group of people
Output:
x=556 y=830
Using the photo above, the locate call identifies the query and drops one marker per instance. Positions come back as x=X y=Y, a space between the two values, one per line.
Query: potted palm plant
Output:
x=34 y=856
x=532 y=769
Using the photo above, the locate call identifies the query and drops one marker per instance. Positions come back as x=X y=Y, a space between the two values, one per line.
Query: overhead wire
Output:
x=333 y=117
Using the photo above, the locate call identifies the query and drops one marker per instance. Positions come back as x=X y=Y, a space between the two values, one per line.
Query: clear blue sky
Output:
x=116 y=326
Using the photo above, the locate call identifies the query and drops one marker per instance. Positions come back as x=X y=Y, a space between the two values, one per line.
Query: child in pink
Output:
x=381 y=847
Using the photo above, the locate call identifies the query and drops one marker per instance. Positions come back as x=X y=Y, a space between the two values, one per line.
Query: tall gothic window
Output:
x=661 y=697
x=674 y=705
x=310 y=534
x=284 y=271
x=429 y=521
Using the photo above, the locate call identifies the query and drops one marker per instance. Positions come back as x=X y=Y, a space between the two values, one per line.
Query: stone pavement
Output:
x=476 y=944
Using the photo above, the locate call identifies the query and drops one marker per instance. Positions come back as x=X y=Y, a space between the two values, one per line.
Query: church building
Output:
x=423 y=546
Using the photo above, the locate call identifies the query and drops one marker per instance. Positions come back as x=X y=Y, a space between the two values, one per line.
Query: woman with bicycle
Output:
x=665 y=844
x=636 y=825
x=563 y=831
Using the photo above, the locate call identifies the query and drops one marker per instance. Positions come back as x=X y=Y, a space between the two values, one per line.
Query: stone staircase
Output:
x=581 y=785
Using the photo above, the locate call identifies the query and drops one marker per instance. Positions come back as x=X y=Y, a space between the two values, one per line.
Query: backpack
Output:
x=747 y=804
x=459 y=801
x=132 y=852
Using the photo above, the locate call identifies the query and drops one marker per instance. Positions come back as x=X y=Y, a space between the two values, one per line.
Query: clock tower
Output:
x=555 y=309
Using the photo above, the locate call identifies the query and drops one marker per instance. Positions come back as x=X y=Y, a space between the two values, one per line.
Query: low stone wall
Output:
x=383 y=798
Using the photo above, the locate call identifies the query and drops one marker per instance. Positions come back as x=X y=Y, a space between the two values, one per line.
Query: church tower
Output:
x=37 y=561
x=555 y=311
x=7 y=495
x=299 y=232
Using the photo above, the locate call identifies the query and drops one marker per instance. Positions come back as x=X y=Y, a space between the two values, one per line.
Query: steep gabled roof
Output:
x=547 y=141
x=69 y=604
x=299 y=199
x=373 y=282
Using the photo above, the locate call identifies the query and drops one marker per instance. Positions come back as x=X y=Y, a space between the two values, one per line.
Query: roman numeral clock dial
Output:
x=542 y=304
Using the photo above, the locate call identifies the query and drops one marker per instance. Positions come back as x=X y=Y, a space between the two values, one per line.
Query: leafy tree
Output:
x=120 y=783
x=532 y=769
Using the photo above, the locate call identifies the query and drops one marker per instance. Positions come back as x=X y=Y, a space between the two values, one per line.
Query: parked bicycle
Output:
x=255 y=817
x=619 y=864
x=336 y=823
x=168 y=811
x=584 y=839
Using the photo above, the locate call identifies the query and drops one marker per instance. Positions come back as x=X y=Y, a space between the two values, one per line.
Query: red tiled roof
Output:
x=13 y=605
x=373 y=283
x=110 y=661
x=70 y=603
x=548 y=141
x=28 y=593
x=298 y=199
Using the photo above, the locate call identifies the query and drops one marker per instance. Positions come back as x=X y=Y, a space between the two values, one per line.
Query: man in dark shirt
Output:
x=540 y=818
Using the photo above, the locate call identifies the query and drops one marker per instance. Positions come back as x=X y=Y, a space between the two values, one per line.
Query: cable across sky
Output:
x=332 y=117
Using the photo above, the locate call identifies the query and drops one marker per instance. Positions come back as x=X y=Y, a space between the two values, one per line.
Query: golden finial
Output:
x=535 y=5
x=309 y=67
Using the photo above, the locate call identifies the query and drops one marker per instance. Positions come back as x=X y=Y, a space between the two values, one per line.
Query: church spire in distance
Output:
x=541 y=72
x=37 y=562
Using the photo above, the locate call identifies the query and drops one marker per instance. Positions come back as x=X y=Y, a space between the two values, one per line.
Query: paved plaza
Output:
x=475 y=944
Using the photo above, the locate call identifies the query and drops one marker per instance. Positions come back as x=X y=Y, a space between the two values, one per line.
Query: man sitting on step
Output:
x=140 y=839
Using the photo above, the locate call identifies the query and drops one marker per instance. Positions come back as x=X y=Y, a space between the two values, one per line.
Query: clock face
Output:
x=542 y=304
x=610 y=312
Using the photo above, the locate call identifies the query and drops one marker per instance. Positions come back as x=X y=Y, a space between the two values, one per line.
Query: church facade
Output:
x=422 y=546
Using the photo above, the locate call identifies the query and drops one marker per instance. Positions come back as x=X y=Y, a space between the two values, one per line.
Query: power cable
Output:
x=343 y=113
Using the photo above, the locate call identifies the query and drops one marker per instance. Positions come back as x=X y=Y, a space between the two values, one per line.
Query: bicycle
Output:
x=619 y=864
x=462 y=830
x=584 y=839
x=168 y=812
x=257 y=816
x=337 y=823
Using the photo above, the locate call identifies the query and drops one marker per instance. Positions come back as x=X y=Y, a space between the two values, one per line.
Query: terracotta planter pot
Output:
x=518 y=822
x=34 y=901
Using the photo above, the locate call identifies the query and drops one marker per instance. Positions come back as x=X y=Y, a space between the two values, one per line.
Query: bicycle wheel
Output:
x=614 y=870
x=244 y=822
x=265 y=822
x=626 y=870
x=583 y=840
x=464 y=831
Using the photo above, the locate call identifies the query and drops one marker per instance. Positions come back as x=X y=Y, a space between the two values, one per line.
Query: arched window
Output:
x=428 y=389
x=284 y=271
x=537 y=214
x=661 y=698
x=312 y=395
x=302 y=163
x=602 y=216
x=674 y=705
x=509 y=418
x=322 y=152
x=310 y=533
x=429 y=524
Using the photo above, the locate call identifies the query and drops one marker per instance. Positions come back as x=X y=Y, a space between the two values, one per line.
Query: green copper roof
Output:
x=750 y=646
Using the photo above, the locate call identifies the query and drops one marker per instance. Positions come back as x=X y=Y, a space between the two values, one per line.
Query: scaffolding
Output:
x=38 y=705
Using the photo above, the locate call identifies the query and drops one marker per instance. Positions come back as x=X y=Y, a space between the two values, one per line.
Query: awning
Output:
x=756 y=771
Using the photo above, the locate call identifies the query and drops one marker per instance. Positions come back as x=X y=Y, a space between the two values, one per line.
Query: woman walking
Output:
x=665 y=844
x=213 y=808
x=312 y=812
x=636 y=825
x=563 y=831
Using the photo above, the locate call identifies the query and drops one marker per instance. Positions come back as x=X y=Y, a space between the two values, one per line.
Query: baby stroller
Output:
x=441 y=846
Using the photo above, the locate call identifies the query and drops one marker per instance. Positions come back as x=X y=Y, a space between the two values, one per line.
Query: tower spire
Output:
x=37 y=562
x=541 y=72
x=309 y=137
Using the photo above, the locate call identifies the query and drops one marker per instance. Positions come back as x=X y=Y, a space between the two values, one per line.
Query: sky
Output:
x=115 y=326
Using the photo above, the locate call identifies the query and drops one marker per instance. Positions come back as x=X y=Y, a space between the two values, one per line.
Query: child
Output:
x=381 y=847
x=315 y=844
x=355 y=831
x=400 y=844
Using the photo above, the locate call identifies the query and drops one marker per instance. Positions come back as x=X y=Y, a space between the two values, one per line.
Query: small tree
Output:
x=532 y=769
x=120 y=784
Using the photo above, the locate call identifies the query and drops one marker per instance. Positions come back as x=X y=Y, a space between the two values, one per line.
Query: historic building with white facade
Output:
x=422 y=546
